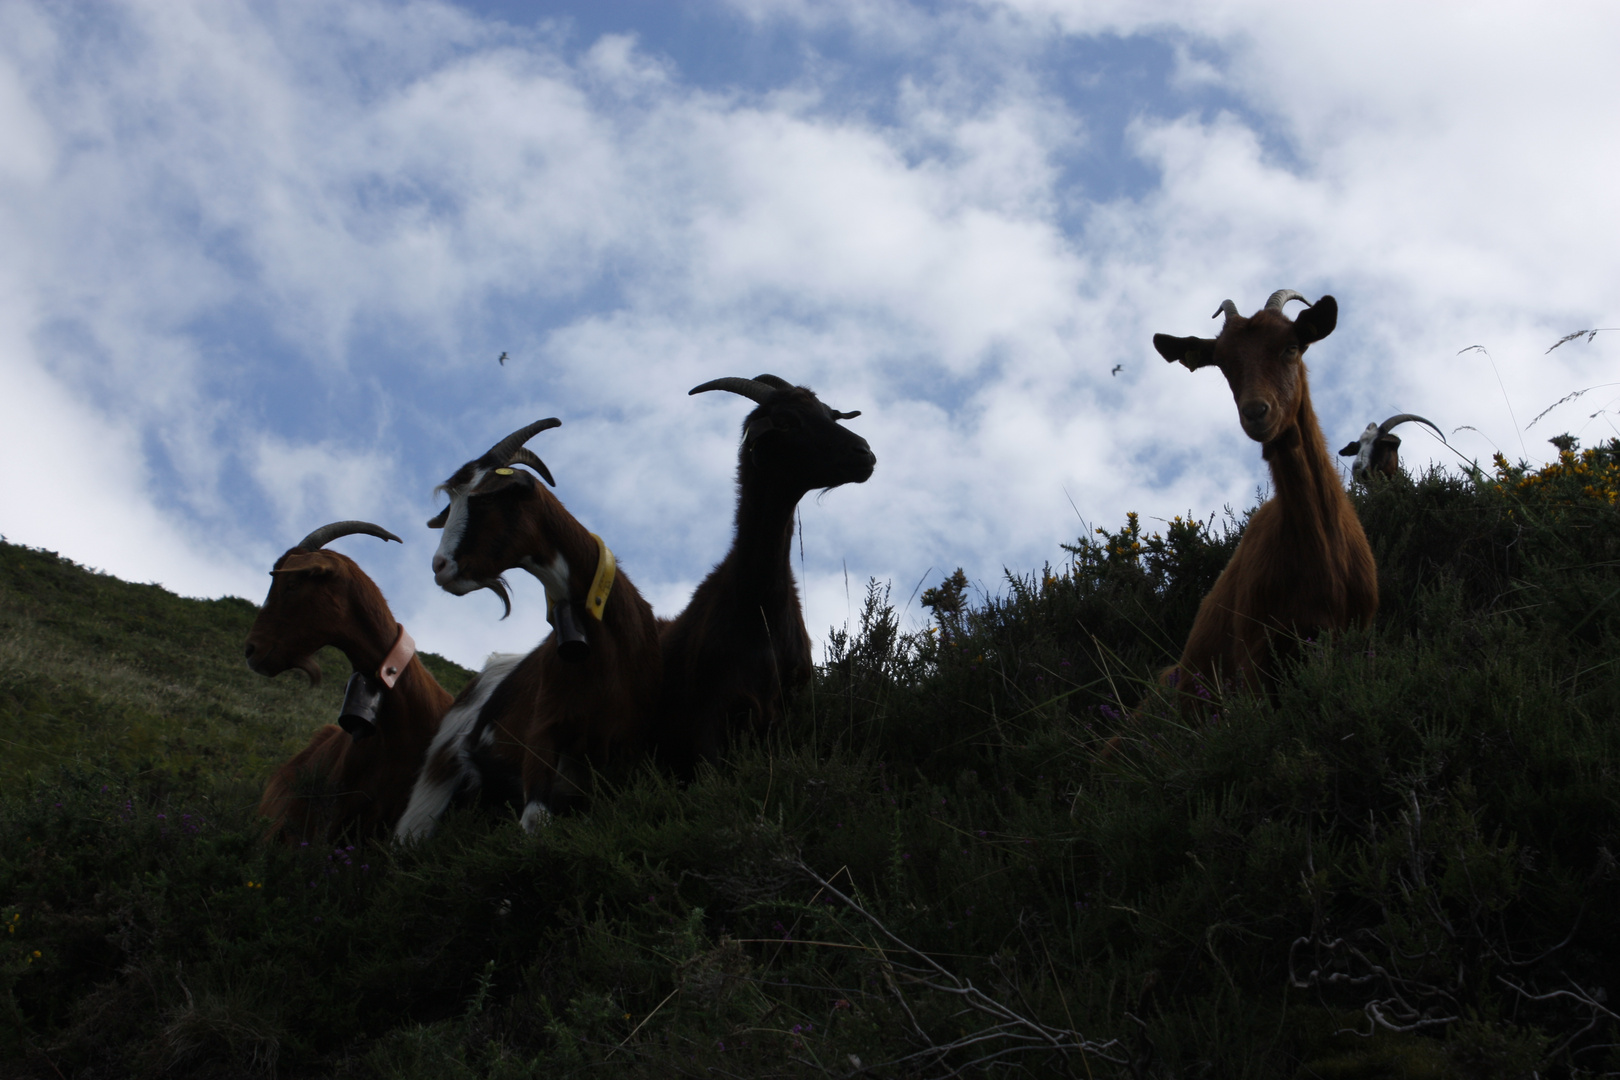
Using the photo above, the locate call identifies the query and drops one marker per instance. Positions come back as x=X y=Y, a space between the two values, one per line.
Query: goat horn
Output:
x=1281 y=297
x=328 y=533
x=774 y=380
x=1228 y=307
x=501 y=453
x=1401 y=418
x=752 y=389
x=524 y=456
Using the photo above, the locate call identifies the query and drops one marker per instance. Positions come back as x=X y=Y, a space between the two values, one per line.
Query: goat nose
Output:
x=439 y=562
x=1255 y=411
x=249 y=653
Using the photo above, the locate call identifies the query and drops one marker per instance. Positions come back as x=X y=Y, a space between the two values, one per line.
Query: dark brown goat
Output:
x=343 y=784
x=1303 y=565
x=1377 y=451
x=741 y=645
x=584 y=698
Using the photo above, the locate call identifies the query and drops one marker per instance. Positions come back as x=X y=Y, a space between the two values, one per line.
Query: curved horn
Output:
x=1401 y=418
x=502 y=452
x=1281 y=297
x=1228 y=307
x=752 y=389
x=524 y=456
x=774 y=380
x=328 y=533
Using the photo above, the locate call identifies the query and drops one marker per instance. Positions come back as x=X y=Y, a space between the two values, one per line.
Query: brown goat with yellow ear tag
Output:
x=584 y=699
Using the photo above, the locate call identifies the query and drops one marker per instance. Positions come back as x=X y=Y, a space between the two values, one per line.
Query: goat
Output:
x=741 y=643
x=585 y=695
x=1303 y=565
x=1377 y=451
x=355 y=777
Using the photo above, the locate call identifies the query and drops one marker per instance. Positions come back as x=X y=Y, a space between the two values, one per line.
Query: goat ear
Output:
x=437 y=520
x=760 y=426
x=1192 y=352
x=1317 y=321
x=304 y=562
x=1351 y=451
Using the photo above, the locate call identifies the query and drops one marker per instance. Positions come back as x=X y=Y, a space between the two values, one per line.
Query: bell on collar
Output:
x=360 y=700
x=572 y=644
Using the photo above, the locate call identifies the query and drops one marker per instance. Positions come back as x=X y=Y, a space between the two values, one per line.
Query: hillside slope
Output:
x=100 y=673
x=988 y=849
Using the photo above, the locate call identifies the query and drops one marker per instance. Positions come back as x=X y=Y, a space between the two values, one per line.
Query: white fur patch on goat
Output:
x=455 y=528
x=535 y=817
x=1369 y=435
x=553 y=575
x=448 y=770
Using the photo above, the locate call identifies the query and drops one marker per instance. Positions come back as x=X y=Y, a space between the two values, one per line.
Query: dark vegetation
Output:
x=968 y=851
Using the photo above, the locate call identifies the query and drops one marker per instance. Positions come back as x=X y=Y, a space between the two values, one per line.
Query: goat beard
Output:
x=498 y=587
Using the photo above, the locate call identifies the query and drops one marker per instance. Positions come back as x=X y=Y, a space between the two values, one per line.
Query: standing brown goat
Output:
x=354 y=779
x=1303 y=565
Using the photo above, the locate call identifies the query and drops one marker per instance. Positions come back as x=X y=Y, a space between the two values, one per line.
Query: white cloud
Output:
x=264 y=261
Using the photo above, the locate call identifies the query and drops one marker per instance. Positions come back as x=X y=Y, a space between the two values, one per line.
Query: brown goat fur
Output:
x=1303 y=566
x=552 y=720
x=337 y=785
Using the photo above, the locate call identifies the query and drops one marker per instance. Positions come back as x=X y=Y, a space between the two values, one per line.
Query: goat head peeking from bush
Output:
x=1303 y=565
x=584 y=698
x=741 y=644
x=1377 y=450
x=345 y=780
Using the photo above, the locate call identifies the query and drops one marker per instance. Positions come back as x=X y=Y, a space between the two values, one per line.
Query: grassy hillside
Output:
x=969 y=851
x=97 y=673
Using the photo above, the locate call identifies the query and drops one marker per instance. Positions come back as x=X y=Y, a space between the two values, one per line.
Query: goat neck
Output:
x=1304 y=476
x=763 y=547
x=368 y=630
x=561 y=552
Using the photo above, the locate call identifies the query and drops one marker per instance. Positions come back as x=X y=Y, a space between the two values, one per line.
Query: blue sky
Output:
x=257 y=262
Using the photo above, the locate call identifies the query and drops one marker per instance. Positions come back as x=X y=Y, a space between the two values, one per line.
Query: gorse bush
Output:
x=973 y=849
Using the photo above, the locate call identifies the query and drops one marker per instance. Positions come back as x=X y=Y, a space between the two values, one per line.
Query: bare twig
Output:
x=1024 y=1033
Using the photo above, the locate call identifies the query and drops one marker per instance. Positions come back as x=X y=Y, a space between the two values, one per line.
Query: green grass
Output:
x=1417 y=825
x=97 y=673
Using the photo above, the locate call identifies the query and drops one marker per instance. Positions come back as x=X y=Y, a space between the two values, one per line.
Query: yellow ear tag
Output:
x=606 y=570
x=503 y=472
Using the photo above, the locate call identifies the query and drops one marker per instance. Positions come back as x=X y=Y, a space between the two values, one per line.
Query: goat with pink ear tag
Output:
x=584 y=699
x=354 y=779
x=1303 y=565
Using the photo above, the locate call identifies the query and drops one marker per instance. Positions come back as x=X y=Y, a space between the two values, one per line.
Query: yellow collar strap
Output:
x=602 y=584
